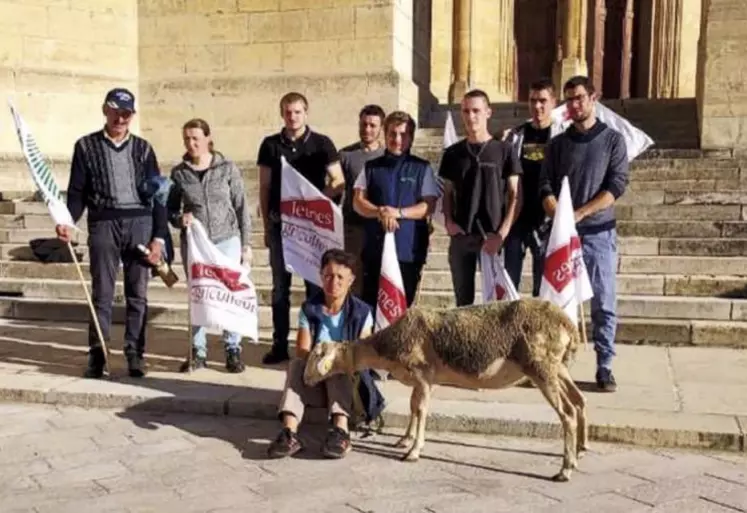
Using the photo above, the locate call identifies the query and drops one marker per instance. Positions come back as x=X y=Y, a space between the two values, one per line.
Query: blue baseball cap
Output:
x=120 y=98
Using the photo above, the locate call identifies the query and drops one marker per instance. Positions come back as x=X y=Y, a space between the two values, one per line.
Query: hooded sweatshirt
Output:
x=215 y=197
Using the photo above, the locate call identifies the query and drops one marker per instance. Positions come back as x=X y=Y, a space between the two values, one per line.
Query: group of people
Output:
x=499 y=194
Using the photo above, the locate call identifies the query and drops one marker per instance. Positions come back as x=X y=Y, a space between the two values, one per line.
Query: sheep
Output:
x=487 y=346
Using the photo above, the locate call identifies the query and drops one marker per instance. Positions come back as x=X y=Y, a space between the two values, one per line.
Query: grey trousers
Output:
x=110 y=241
x=335 y=393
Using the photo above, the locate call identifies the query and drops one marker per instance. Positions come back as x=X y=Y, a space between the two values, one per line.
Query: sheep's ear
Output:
x=325 y=364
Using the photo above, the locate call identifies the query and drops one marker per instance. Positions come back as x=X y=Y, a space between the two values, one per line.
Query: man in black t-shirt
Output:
x=529 y=140
x=315 y=157
x=481 y=194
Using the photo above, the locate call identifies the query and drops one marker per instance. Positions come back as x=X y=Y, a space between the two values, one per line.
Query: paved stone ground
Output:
x=55 y=459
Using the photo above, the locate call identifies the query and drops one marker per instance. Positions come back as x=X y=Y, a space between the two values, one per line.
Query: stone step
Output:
x=633 y=306
x=681 y=229
x=635 y=264
x=630 y=329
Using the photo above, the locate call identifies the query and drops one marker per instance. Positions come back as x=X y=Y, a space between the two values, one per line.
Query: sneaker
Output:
x=275 y=357
x=605 y=380
x=233 y=361
x=286 y=444
x=198 y=362
x=337 y=444
x=136 y=366
x=95 y=368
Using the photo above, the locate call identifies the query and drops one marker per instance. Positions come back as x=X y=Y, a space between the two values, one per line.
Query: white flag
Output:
x=41 y=174
x=565 y=280
x=311 y=224
x=636 y=140
x=496 y=283
x=222 y=295
x=391 y=302
x=450 y=138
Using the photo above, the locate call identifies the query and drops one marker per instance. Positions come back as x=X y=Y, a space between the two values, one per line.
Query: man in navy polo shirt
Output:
x=315 y=157
x=396 y=193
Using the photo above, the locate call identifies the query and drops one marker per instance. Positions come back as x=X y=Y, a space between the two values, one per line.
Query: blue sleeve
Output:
x=616 y=179
x=303 y=322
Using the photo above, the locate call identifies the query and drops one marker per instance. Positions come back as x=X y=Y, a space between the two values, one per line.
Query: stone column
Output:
x=460 y=50
x=506 y=50
x=665 y=51
x=721 y=88
x=627 y=50
x=571 y=41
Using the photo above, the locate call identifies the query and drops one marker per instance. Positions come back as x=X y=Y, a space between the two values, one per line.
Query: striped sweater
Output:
x=110 y=181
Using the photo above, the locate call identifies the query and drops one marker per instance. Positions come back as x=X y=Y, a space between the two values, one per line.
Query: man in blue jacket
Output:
x=333 y=315
x=112 y=175
x=396 y=193
x=595 y=159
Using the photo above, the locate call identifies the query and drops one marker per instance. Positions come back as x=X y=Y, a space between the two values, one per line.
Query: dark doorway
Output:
x=534 y=26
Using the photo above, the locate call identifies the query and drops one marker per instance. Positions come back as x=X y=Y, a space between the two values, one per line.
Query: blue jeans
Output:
x=519 y=240
x=600 y=257
x=231 y=340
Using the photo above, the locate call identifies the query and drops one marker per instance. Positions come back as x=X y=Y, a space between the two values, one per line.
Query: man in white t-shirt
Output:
x=396 y=193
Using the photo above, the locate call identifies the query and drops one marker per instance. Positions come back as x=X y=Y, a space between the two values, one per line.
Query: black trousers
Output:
x=110 y=241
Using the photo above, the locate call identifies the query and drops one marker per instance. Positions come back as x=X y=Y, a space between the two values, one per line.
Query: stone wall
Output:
x=57 y=60
x=231 y=61
x=722 y=85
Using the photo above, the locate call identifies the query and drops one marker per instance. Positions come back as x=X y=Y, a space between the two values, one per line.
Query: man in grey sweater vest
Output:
x=109 y=175
x=595 y=159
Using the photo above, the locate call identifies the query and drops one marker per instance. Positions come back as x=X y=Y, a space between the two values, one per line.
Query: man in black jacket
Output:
x=109 y=175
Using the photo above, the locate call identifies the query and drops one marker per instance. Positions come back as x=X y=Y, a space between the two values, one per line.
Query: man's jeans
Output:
x=464 y=253
x=515 y=248
x=108 y=242
x=281 y=284
x=231 y=340
x=600 y=257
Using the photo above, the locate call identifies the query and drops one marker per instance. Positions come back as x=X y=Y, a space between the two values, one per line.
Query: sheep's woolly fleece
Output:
x=471 y=338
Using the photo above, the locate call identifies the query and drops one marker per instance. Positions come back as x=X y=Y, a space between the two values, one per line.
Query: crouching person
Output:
x=333 y=315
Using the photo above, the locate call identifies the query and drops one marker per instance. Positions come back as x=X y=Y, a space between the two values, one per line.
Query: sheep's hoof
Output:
x=411 y=456
x=404 y=442
x=563 y=476
x=581 y=453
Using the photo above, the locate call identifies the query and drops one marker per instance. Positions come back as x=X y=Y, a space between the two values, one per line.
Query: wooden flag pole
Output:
x=107 y=354
x=583 y=326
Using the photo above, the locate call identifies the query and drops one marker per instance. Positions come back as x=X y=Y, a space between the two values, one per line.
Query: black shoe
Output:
x=337 y=444
x=135 y=366
x=233 y=361
x=198 y=362
x=275 y=357
x=605 y=380
x=96 y=359
x=286 y=444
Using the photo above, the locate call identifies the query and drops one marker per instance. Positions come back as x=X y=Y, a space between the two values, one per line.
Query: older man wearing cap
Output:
x=108 y=176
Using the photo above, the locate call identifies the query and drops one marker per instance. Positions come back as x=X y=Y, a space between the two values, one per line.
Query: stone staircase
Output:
x=681 y=276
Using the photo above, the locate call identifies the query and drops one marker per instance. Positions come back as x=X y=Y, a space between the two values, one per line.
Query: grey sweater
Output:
x=215 y=197
x=594 y=161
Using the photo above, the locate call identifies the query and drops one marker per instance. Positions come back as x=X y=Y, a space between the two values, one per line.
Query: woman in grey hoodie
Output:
x=208 y=187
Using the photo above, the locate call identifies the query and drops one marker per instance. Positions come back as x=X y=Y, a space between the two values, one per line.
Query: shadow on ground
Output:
x=61 y=349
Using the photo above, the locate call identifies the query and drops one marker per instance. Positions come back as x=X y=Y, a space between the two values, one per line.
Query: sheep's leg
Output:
x=407 y=440
x=424 y=396
x=550 y=388
x=578 y=400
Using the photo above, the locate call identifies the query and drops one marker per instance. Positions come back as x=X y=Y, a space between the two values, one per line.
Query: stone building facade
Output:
x=229 y=61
